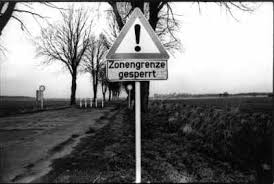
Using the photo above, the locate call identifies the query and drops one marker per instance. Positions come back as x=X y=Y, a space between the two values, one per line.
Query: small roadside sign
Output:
x=129 y=87
x=40 y=95
x=42 y=88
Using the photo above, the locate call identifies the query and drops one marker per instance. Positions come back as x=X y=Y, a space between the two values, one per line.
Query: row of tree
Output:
x=72 y=43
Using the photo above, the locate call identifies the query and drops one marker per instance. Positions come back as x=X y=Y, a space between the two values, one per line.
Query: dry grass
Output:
x=181 y=142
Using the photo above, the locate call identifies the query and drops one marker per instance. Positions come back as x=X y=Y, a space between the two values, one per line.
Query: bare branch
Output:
x=51 y=5
x=241 y=6
x=230 y=5
x=228 y=9
x=68 y=40
x=29 y=12
x=23 y=27
x=116 y=13
x=94 y=59
x=8 y=10
x=6 y=15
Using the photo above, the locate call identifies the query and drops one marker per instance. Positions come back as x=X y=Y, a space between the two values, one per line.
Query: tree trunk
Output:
x=144 y=84
x=5 y=17
x=144 y=96
x=94 y=92
x=73 y=88
x=153 y=19
x=109 y=95
x=104 y=96
x=138 y=4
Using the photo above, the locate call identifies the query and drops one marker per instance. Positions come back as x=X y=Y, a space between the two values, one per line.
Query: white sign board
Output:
x=136 y=70
x=137 y=40
x=137 y=54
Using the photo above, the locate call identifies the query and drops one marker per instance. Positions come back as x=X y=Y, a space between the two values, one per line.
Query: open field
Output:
x=245 y=104
x=21 y=105
x=198 y=140
x=18 y=105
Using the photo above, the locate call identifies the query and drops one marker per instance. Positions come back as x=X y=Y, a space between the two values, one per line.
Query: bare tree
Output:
x=12 y=10
x=114 y=89
x=102 y=77
x=94 y=58
x=67 y=42
x=162 y=20
x=7 y=10
x=112 y=31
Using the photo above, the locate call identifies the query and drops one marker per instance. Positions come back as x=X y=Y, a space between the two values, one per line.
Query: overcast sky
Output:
x=220 y=54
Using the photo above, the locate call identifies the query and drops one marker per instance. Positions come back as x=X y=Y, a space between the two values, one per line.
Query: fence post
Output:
x=80 y=103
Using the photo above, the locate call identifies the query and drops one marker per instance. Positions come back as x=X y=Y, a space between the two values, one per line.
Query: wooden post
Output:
x=86 y=105
x=42 y=99
x=37 y=99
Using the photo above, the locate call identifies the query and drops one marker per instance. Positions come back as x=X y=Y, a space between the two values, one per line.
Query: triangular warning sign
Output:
x=137 y=40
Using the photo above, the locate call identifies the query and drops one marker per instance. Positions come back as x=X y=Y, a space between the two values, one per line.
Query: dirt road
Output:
x=28 y=143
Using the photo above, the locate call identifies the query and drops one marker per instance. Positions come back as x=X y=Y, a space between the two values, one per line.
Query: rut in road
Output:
x=89 y=159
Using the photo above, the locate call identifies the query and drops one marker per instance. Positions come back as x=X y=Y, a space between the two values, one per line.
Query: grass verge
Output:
x=174 y=148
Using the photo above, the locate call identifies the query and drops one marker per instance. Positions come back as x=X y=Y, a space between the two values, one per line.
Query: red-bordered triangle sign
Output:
x=137 y=40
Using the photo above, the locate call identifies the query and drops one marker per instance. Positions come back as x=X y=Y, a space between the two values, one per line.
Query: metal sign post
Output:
x=41 y=91
x=129 y=88
x=42 y=99
x=129 y=99
x=138 y=131
x=37 y=98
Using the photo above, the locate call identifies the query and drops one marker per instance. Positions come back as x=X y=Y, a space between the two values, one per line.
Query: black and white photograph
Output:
x=136 y=91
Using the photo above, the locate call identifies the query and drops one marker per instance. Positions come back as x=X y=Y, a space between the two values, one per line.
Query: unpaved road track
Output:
x=28 y=143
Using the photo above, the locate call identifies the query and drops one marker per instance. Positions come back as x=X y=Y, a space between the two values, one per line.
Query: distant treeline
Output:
x=16 y=97
x=30 y=98
x=225 y=94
